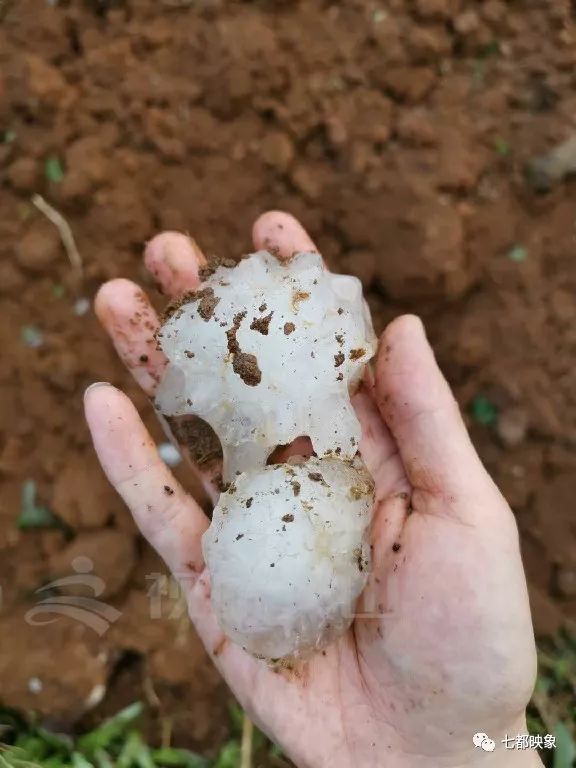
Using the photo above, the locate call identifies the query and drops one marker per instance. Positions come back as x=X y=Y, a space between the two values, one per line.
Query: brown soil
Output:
x=398 y=134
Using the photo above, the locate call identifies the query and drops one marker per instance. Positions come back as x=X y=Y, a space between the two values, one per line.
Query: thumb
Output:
x=422 y=414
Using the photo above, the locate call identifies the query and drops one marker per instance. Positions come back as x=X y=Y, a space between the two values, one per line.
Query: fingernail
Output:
x=95 y=385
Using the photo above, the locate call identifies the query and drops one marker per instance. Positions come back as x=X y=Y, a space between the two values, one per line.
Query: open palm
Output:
x=442 y=644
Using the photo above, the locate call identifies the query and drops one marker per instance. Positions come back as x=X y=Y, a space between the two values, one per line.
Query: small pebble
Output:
x=169 y=454
x=512 y=426
x=95 y=696
x=466 y=23
x=566 y=581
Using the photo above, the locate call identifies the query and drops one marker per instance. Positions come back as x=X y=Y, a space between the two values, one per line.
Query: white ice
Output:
x=269 y=351
x=288 y=555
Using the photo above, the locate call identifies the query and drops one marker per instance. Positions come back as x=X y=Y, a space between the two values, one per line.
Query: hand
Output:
x=445 y=647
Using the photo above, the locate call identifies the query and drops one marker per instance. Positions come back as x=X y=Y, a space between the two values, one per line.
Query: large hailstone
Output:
x=288 y=554
x=268 y=351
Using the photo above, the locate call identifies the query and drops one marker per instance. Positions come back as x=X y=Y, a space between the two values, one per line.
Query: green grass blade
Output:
x=110 y=730
x=565 y=753
x=170 y=757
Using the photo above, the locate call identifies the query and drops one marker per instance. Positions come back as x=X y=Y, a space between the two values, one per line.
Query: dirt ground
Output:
x=398 y=132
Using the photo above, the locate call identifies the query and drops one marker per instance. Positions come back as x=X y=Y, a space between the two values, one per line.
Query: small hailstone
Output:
x=169 y=454
x=81 y=306
x=288 y=554
x=268 y=351
x=35 y=685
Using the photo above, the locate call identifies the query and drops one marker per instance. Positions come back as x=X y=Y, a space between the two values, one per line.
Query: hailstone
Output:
x=265 y=352
x=268 y=351
x=288 y=554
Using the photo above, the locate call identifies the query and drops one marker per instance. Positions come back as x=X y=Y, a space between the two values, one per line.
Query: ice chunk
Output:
x=288 y=554
x=268 y=351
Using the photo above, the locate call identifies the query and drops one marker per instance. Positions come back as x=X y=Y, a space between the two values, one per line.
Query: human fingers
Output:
x=281 y=234
x=174 y=260
x=131 y=322
x=419 y=408
x=170 y=519
x=127 y=315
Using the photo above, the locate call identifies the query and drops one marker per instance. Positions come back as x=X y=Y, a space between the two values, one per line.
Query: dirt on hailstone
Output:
x=198 y=437
x=398 y=134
